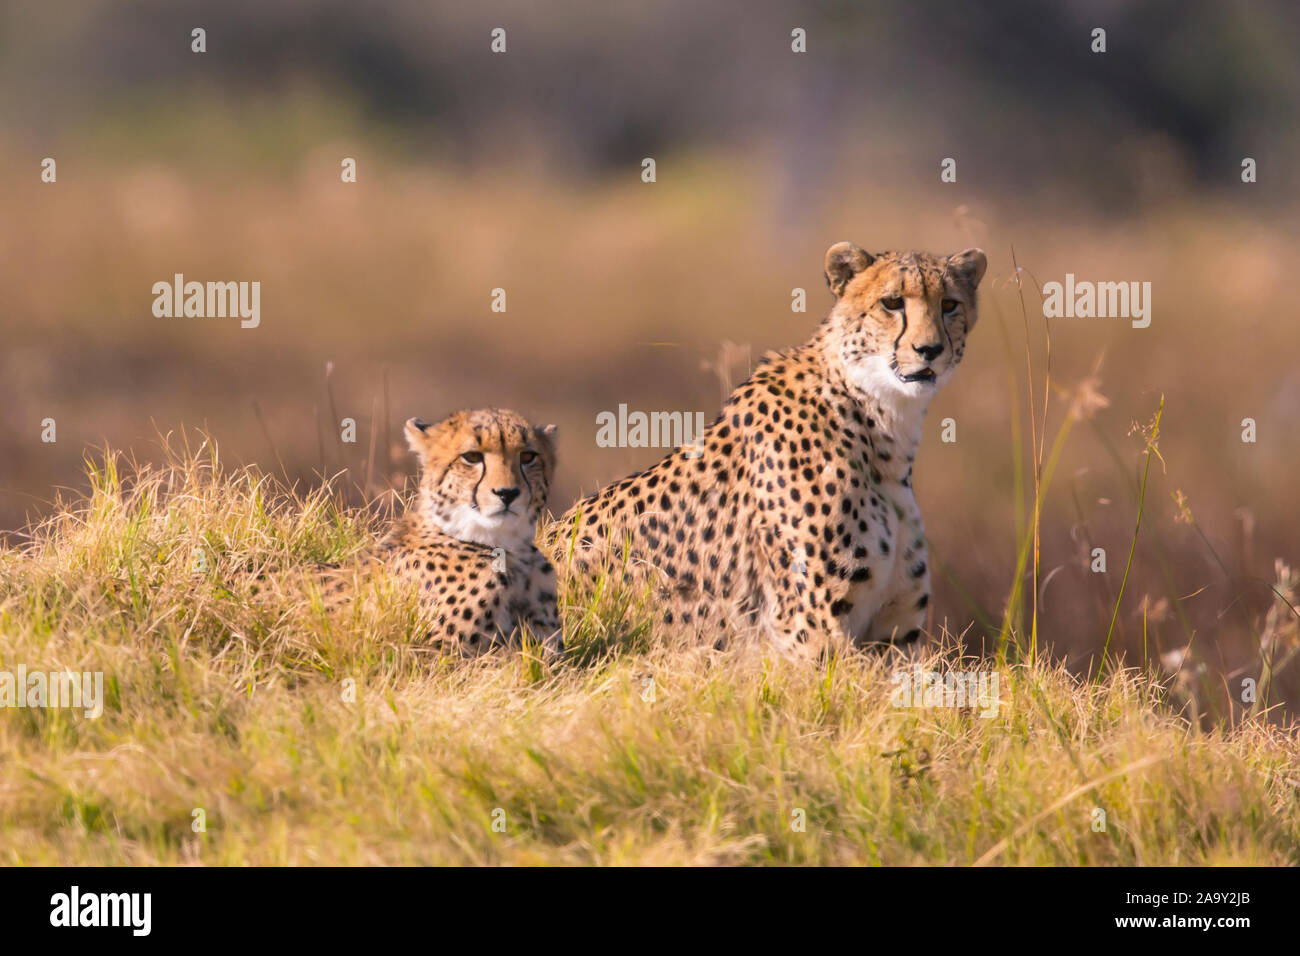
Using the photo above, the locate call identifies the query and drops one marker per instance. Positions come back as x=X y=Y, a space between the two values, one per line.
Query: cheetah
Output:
x=794 y=515
x=466 y=542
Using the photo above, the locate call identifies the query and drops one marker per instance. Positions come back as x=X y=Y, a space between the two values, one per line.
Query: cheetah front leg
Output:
x=901 y=620
x=900 y=625
x=802 y=627
x=542 y=615
x=545 y=625
x=799 y=617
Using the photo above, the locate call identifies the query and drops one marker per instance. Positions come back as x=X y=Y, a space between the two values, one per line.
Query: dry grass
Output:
x=227 y=696
x=621 y=292
x=226 y=679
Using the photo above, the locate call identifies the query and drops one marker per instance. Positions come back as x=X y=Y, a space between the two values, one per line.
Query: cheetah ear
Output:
x=969 y=266
x=844 y=260
x=546 y=434
x=418 y=433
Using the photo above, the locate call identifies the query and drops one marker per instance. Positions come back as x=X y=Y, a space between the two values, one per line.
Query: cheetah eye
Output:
x=893 y=304
x=472 y=457
x=527 y=457
x=949 y=306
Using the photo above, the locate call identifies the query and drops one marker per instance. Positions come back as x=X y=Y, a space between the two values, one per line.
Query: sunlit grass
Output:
x=309 y=738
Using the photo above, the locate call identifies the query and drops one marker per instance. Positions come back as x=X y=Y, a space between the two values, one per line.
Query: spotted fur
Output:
x=795 y=514
x=466 y=542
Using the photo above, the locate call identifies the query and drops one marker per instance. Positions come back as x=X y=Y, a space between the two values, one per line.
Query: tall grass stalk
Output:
x=1152 y=451
x=1030 y=538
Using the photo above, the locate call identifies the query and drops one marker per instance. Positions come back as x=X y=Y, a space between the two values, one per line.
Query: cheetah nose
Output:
x=929 y=352
x=506 y=495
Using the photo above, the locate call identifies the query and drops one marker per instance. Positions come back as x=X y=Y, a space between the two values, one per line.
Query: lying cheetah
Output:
x=467 y=540
x=794 y=512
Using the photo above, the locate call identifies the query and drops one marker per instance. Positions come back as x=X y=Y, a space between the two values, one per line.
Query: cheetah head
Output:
x=901 y=318
x=484 y=475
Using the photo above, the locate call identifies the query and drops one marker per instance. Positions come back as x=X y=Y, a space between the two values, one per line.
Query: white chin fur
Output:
x=902 y=404
x=510 y=531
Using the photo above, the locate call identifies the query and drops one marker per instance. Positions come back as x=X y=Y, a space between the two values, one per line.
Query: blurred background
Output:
x=522 y=171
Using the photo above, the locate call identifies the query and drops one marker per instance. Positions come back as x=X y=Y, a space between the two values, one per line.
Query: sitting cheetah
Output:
x=794 y=511
x=467 y=540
